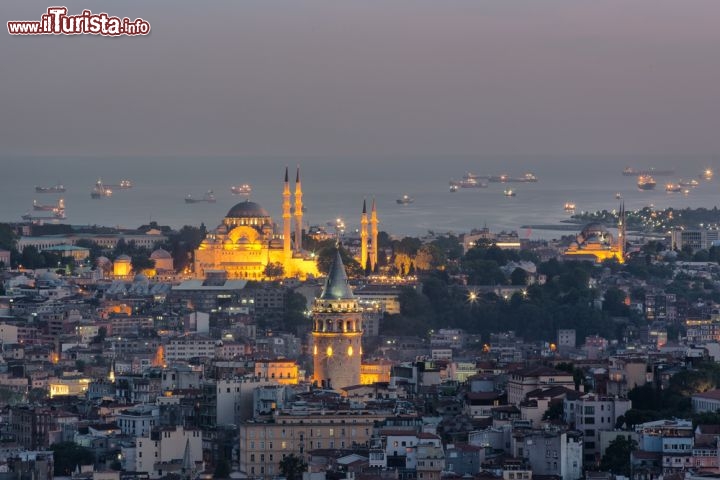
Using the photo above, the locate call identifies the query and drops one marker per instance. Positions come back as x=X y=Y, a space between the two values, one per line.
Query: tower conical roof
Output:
x=336 y=284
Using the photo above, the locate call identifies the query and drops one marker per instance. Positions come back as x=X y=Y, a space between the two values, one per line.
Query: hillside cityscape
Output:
x=360 y=240
x=266 y=348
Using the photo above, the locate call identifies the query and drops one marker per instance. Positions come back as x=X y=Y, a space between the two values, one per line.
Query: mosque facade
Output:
x=596 y=243
x=247 y=241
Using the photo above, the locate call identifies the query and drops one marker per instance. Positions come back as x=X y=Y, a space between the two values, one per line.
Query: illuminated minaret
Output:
x=287 y=252
x=337 y=332
x=621 y=233
x=298 y=212
x=373 y=237
x=363 y=237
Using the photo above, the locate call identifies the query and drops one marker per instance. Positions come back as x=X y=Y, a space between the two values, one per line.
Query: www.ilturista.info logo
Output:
x=57 y=22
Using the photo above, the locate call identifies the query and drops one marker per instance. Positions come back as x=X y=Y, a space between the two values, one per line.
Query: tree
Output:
x=142 y=262
x=292 y=467
x=274 y=270
x=518 y=276
x=617 y=456
x=554 y=411
x=68 y=455
x=222 y=469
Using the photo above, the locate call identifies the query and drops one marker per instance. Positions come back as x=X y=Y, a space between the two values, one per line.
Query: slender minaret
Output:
x=298 y=212
x=364 y=237
x=373 y=236
x=621 y=233
x=287 y=252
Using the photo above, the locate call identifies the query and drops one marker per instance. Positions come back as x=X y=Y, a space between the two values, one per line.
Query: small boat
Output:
x=100 y=190
x=125 y=184
x=40 y=207
x=453 y=187
x=569 y=207
x=688 y=183
x=707 y=174
x=673 y=188
x=405 y=200
x=243 y=189
x=509 y=192
x=209 y=197
x=58 y=188
x=646 y=182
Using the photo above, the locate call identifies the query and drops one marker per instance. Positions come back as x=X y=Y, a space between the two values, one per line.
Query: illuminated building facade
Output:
x=596 y=243
x=337 y=332
x=246 y=242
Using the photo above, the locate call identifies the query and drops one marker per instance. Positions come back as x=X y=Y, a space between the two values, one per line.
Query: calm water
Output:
x=336 y=188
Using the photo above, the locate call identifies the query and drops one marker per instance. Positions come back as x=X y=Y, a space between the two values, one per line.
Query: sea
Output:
x=335 y=188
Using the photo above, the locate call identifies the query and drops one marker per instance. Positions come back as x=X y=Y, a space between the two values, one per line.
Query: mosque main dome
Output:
x=247 y=209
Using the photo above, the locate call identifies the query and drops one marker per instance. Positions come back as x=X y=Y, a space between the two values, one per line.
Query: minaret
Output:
x=337 y=332
x=298 y=212
x=373 y=237
x=287 y=252
x=621 y=233
x=364 y=237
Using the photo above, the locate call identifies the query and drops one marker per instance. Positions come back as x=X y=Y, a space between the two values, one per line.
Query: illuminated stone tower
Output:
x=364 y=237
x=287 y=252
x=621 y=234
x=298 y=212
x=373 y=237
x=337 y=332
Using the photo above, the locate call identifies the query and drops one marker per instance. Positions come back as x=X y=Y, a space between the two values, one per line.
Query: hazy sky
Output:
x=368 y=77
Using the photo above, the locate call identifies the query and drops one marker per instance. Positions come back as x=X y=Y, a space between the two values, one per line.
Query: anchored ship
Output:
x=243 y=189
x=100 y=190
x=646 y=182
x=40 y=207
x=58 y=188
x=632 y=172
x=405 y=200
x=209 y=197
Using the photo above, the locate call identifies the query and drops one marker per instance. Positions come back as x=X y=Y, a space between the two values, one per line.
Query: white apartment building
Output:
x=523 y=381
x=169 y=450
x=592 y=414
x=186 y=347
x=139 y=420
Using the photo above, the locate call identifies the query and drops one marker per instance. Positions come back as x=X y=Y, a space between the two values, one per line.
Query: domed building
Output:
x=122 y=266
x=163 y=260
x=248 y=240
x=595 y=243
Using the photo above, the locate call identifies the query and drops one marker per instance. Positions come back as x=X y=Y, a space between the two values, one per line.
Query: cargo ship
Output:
x=673 y=188
x=58 y=188
x=646 y=182
x=632 y=172
x=405 y=200
x=243 y=189
x=469 y=180
x=100 y=190
x=688 y=183
x=40 y=207
x=209 y=197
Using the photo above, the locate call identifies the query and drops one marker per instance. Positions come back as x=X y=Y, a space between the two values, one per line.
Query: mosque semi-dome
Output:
x=247 y=209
